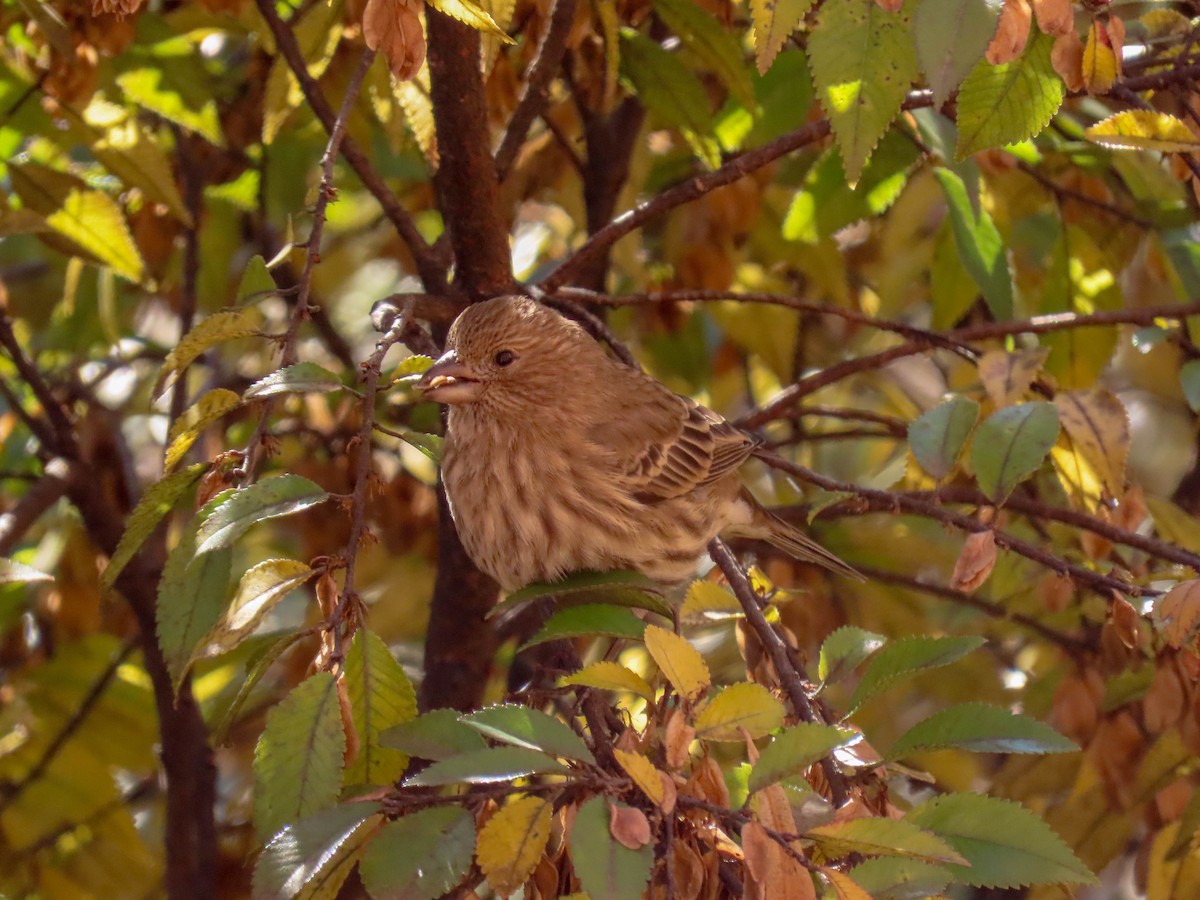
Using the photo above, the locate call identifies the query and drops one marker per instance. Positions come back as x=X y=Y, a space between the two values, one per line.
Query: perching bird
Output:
x=559 y=458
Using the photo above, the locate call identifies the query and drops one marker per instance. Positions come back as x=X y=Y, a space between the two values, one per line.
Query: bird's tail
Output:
x=767 y=526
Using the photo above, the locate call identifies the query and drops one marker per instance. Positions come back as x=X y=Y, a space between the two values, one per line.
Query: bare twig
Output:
x=193 y=197
x=789 y=677
x=44 y=493
x=537 y=84
x=431 y=270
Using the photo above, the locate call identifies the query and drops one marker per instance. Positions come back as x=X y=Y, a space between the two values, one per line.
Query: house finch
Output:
x=559 y=458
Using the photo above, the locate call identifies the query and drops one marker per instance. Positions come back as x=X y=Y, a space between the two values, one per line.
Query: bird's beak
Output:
x=450 y=381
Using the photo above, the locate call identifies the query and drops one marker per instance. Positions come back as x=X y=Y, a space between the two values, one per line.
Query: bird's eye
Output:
x=505 y=358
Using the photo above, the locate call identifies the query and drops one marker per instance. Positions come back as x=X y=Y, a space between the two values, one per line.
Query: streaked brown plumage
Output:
x=559 y=458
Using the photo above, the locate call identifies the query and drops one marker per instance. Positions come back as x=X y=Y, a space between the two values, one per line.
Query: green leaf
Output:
x=298 y=760
x=588 y=620
x=487 y=766
x=1010 y=445
x=156 y=502
x=981 y=728
x=13 y=572
x=208 y=409
x=429 y=444
x=883 y=837
x=258 y=592
x=863 y=64
x=951 y=36
x=311 y=858
x=422 y=856
x=795 y=749
x=1189 y=824
x=191 y=596
x=225 y=325
x=381 y=697
x=774 y=22
x=531 y=728
x=938 y=436
x=710 y=43
x=606 y=870
x=669 y=90
x=827 y=203
x=1006 y=845
x=131 y=153
x=906 y=657
x=254 y=673
x=741 y=708
x=87 y=218
x=844 y=650
x=980 y=246
x=267 y=499
x=619 y=588
x=256 y=282
x=437 y=734
x=413 y=366
x=1189 y=380
x=301 y=378
x=173 y=90
x=900 y=878
x=1004 y=104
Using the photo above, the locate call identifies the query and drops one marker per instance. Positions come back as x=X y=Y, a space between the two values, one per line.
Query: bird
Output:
x=559 y=458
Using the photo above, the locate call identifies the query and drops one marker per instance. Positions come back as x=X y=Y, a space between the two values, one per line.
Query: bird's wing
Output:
x=665 y=446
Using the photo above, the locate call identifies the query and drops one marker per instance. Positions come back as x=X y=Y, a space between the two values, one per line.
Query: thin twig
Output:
x=1063 y=192
x=61 y=435
x=429 y=267
x=537 y=84
x=43 y=494
x=789 y=677
x=193 y=196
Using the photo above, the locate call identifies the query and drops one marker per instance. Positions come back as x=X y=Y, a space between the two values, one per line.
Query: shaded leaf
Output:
x=486 y=766
x=905 y=657
x=844 y=650
x=883 y=837
x=901 y=877
x=298 y=760
x=744 y=707
x=1010 y=445
x=1098 y=425
x=950 y=37
x=709 y=42
x=619 y=587
x=980 y=247
x=981 y=728
x=589 y=619
x=531 y=728
x=606 y=870
x=774 y=21
x=1177 y=613
x=222 y=326
x=437 y=734
x=938 y=436
x=421 y=856
x=303 y=377
x=1007 y=376
x=1005 y=844
x=156 y=502
x=208 y=409
x=1189 y=380
x=254 y=673
x=975 y=561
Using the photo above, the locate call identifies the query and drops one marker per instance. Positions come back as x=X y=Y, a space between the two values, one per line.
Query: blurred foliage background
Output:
x=163 y=166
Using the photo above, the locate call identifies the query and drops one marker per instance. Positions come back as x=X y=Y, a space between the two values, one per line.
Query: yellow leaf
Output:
x=1099 y=61
x=470 y=14
x=511 y=843
x=222 y=326
x=1169 y=879
x=501 y=12
x=643 y=773
x=706 y=601
x=413 y=97
x=679 y=661
x=199 y=416
x=1144 y=129
x=742 y=706
x=1007 y=376
x=259 y=590
x=845 y=887
x=1174 y=524
x=609 y=676
x=1098 y=426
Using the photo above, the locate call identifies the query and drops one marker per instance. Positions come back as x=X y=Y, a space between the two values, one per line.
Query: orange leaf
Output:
x=1011 y=34
x=393 y=27
x=975 y=562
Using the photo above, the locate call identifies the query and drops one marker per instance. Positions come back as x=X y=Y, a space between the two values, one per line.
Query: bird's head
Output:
x=504 y=351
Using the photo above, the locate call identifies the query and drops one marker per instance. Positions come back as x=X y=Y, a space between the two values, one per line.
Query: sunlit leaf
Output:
x=680 y=662
x=609 y=676
x=301 y=378
x=421 y=856
x=980 y=246
x=211 y=407
x=217 y=328
x=381 y=697
x=311 y=858
x=487 y=766
x=526 y=727
x=260 y=589
x=739 y=709
x=282 y=495
x=1144 y=129
x=795 y=749
x=883 y=837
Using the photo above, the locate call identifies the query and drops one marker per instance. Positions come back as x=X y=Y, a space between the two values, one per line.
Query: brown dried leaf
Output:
x=1054 y=16
x=670 y=793
x=975 y=562
x=1131 y=512
x=677 y=738
x=629 y=826
x=353 y=742
x=890 y=5
x=1178 y=613
x=1007 y=376
x=1076 y=707
x=1165 y=701
x=687 y=870
x=708 y=782
x=1055 y=591
x=1098 y=425
x=393 y=27
x=1067 y=58
x=1011 y=34
x=771 y=872
x=1126 y=621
